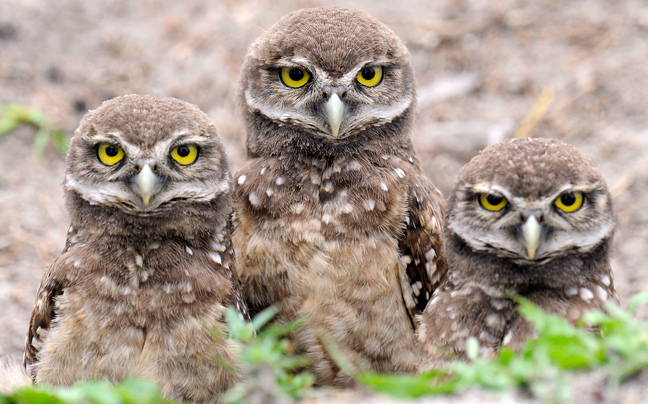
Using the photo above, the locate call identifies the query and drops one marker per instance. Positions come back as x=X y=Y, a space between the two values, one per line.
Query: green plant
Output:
x=12 y=116
x=268 y=368
x=130 y=391
x=620 y=348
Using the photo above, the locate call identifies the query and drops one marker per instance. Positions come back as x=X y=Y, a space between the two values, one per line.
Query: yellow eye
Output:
x=370 y=76
x=185 y=154
x=294 y=77
x=491 y=202
x=569 y=201
x=110 y=154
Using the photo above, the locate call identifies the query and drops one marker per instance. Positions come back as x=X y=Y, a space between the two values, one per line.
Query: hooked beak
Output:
x=531 y=232
x=147 y=184
x=334 y=112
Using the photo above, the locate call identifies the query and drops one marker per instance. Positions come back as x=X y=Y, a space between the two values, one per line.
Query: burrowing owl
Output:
x=148 y=268
x=531 y=217
x=334 y=220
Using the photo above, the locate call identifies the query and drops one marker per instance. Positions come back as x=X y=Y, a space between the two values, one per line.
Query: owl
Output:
x=529 y=217
x=334 y=220
x=148 y=270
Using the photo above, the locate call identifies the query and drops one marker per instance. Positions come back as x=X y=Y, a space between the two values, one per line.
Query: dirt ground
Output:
x=481 y=67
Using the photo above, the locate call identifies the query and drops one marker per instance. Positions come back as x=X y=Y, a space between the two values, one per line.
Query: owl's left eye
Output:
x=370 y=76
x=110 y=154
x=294 y=77
x=185 y=154
x=569 y=201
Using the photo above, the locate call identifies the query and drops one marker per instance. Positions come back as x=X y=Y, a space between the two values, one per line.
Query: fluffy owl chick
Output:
x=334 y=220
x=148 y=269
x=532 y=217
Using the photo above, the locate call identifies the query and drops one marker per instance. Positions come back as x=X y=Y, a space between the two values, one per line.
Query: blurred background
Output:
x=485 y=70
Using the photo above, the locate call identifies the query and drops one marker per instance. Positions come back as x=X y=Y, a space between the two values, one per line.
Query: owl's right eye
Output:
x=110 y=154
x=294 y=77
x=491 y=202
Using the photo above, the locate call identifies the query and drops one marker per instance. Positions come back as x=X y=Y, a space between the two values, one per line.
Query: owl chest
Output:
x=342 y=200
x=138 y=286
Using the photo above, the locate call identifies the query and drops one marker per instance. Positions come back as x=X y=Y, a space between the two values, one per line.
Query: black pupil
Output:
x=568 y=199
x=494 y=199
x=183 y=151
x=112 y=150
x=296 y=74
x=368 y=73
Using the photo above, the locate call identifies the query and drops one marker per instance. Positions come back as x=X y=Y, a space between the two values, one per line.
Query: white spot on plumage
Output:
x=586 y=294
x=241 y=179
x=139 y=261
x=297 y=208
x=346 y=208
x=353 y=165
x=327 y=218
x=406 y=259
x=430 y=268
x=279 y=181
x=416 y=289
x=571 y=291
x=495 y=320
x=430 y=254
x=399 y=172
x=602 y=293
x=254 y=199
x=507 y=338
x=499 y=304
x=269 y=191
x=384 y=186
x=606 y=280
x=263 y=170
x=216 y=257
x=369 y=204
x=218 y=246
x=188 y=250
x=488 y=337
x=328 y=186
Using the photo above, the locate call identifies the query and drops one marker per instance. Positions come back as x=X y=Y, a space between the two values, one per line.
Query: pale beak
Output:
x=531 y=232
x=334 y=111
x=147 y=184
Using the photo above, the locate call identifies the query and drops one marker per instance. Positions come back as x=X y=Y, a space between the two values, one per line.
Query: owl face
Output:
x=531 y=200
x=146 y=156
x=330 y=72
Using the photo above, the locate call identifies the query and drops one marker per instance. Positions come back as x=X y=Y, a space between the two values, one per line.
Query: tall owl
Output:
x=531 y=217
x=334 y=219
x=147 y=272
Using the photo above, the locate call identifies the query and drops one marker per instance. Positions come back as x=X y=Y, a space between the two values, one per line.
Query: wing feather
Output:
x=420 y=246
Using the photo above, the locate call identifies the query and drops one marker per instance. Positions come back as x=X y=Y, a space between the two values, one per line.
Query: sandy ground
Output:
x=480 y=68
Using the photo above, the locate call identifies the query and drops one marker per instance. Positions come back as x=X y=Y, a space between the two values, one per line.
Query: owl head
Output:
x=145 y=157
x=324 y=78
x=531 y=201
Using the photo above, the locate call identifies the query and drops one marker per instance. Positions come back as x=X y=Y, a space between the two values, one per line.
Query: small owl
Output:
x=531 y=217
x=147 y=272
x=334 y=219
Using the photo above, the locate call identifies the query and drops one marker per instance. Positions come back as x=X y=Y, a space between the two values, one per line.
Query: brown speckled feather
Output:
x=42 y=315
x=421 y=243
